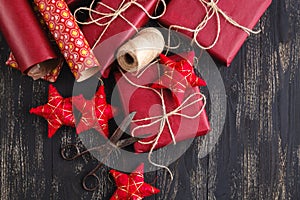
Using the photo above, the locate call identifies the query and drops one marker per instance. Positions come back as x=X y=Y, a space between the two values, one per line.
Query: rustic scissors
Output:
x=114 y=143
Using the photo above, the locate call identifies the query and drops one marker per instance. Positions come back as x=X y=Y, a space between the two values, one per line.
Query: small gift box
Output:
x=73 y=4
x=219 y=26
x=183 y=119
x=113 y=23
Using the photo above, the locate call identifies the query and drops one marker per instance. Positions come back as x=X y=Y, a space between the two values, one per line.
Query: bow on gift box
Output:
x=112 y=23
x=212 y=9
x=221 y=27
x=164 y=123
x=106 y=19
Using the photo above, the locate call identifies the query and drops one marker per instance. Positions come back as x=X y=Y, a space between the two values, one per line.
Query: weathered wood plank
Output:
x=256 y=157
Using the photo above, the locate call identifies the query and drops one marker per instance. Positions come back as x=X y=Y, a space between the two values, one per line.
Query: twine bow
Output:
x=164 y=118
x=115 y=13
x=211 y=9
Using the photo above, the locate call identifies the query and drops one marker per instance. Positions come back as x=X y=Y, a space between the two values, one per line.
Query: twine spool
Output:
x=141 y=50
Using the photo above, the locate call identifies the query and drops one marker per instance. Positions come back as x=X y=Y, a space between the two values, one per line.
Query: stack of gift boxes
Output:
x=51 y=33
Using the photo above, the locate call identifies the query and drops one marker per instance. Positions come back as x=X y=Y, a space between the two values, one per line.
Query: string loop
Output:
x=163 y=119
x=211 y=9
x=115 y=13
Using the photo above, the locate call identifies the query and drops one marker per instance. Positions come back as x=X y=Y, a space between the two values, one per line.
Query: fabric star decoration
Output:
x=132 y=186
x=179 y=75
x=95 y=113
x=58 y=111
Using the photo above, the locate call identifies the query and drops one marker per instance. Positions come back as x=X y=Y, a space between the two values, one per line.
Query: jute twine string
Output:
x=211 y=9
x=163 y=119
x=115 y=13
x=139 y=51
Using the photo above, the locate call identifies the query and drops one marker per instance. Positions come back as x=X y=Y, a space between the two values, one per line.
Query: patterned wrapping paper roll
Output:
x=69 y=38
x=25 y=37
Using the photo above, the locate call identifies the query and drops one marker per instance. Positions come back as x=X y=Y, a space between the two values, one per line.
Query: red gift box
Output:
x=231 y=38
x=147 y=103
x=98 y=35
x=73 y=4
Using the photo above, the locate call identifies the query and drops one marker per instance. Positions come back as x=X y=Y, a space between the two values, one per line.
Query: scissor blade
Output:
x=126 y=142
x=122 y=128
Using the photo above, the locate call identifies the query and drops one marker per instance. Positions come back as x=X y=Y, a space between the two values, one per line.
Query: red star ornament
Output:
x=185 y=68
x=178 y=77
x=58 y=111
x=132 y=186
x=95 y=112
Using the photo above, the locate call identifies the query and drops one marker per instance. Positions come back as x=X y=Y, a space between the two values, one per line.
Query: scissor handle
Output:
x=66 y=152
x=91 y=178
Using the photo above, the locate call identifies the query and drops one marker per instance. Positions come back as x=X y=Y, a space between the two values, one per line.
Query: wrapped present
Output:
x=159 y=116
x=119 y=20
x=73 y=4
x=69 y=38
x=27 y=39
x=219 y=26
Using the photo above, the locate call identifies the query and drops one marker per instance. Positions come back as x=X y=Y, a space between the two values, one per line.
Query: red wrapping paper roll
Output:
x=51 y=76
x=69 y=38
x=26 y=38
x=54 y=73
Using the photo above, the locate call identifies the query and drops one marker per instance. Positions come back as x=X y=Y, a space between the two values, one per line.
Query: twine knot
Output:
x=163 y=119
x=211 y=9
x=115 y=13
x=212 y=4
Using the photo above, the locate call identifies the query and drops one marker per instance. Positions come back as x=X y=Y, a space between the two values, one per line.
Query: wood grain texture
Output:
x=256 y=157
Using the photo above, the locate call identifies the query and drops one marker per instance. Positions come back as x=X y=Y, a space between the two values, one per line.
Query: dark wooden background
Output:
x=256 y=157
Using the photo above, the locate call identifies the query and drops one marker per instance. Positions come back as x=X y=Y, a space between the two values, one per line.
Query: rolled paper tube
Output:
x=141 y=50
x=69 y=38
x=25 y=37
x=51 y=76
